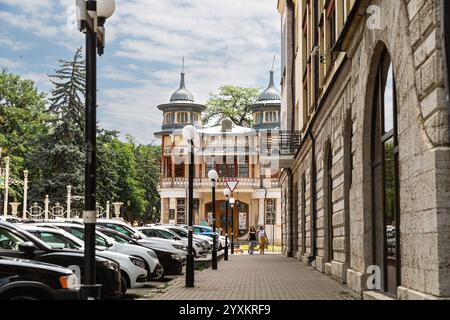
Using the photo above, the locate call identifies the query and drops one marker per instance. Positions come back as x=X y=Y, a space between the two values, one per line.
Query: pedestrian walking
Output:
x=252 y=240
x=262 y=239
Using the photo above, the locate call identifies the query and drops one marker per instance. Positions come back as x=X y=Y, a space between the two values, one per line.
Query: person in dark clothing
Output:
x=252 y=240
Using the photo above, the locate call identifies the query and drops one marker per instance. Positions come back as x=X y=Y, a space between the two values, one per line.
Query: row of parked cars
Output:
x=45 y=259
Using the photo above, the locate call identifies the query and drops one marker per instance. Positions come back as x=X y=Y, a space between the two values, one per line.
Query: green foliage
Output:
x=231 y=103
x=49 y=142
x=22 y=122
x=62 y=149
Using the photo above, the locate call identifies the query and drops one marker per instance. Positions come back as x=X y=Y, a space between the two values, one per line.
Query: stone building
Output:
x=234 y=152
x=367 y=188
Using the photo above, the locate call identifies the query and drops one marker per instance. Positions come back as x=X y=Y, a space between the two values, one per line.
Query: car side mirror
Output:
x=27 y=248
x=176 y=238
x=136 y=236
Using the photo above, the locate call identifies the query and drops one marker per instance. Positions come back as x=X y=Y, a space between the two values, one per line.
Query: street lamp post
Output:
x=232 y=224
x=226 y=193
x=214 y=176
x=190 y=133
x=25 y=194
x=91 y=17
x=5 y=204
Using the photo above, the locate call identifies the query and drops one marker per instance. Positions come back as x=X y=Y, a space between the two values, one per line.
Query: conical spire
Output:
x=271 y=93
x=182 y=94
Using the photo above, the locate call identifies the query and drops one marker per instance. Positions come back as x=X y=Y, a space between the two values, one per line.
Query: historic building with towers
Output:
x=234 y=152
x=366 y=181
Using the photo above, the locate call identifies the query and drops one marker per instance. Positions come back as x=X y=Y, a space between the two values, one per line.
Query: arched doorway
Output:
x=385 y=177
x=240 y=214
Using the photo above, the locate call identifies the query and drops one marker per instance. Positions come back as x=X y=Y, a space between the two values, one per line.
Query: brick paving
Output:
x=267 y=277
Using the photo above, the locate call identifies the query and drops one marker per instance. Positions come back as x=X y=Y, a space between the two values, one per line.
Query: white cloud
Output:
x=224 y=42
x=8 y=63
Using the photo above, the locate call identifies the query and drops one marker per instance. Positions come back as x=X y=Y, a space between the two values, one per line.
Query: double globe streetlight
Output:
x=91 y=17
x=214 y=176
x=190 y=134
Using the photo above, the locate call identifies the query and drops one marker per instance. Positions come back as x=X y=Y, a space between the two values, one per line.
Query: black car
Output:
x=31 y=280
x=172 y=263
x=17 y=243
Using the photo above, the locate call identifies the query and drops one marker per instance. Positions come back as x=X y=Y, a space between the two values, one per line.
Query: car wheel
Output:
x=180 y=270
x=220 y=247
x=158 y=274
x=123 y=286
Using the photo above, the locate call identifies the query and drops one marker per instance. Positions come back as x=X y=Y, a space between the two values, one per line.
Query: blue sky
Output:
x=223 y=42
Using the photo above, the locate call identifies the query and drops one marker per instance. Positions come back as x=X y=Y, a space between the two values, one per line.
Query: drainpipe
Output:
x=445 y=30
x=290 y=252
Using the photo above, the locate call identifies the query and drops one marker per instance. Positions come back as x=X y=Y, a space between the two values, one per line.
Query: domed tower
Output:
x=266 y=110
x=180 y=111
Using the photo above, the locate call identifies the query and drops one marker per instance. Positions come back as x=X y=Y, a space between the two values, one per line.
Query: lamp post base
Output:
x=190 y=271
x=91 y=292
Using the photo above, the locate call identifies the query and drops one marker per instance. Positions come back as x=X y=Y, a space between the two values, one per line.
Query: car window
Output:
x=179 y=232
x=79 y=233
x=9 y=241
x=116 y=237
x=148 y=232
x=100 y=241
x=120 y=229
x=163 y=234
x=56 y=241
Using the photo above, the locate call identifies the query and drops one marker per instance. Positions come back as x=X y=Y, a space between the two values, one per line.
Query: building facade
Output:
x=367 y=190
x=234 y=152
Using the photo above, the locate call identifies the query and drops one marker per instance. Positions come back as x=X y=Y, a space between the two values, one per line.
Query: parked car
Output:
x=152 y=243
x=17 y=243
x=183 y=233
x=30 y=280
x=104 y=242
x=133 y=269
x=172 y=263
x=205 y=231
x=10 y=219
x=200 y=250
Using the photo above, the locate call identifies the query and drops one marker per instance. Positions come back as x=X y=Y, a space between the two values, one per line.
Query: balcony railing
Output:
x=205 y=183
x=284 y=143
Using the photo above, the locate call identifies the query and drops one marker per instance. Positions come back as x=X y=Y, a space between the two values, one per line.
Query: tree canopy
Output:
x=231 y=103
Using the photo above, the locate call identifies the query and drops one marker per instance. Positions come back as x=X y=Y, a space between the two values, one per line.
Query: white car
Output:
x=156 y=243
x=102 y=241
x=182 y=232
x=132 y=268
x=160 y=232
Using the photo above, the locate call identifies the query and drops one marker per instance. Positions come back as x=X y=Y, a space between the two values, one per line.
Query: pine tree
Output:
x=62 y=150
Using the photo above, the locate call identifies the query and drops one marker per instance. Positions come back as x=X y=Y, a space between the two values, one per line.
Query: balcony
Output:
x=205 y=183
x=278 y=149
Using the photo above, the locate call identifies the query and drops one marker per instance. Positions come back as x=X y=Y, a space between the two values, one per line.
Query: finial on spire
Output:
x=182 y=66
x=273 y=63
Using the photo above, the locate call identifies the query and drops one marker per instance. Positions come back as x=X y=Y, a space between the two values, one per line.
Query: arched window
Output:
x=385 y=177
x=182 y=117
x=328 y=193
x=169 y=118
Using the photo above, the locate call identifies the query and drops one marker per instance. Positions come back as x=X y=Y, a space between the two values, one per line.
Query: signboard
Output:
x=232 y=184
x=242 y=220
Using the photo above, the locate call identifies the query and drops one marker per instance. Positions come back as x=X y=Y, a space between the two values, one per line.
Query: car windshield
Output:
x=10 y=240
x=56 y=240
x=179 y=232
x=164 y=234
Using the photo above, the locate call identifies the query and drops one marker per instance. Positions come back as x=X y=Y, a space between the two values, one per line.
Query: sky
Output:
x=222 y=41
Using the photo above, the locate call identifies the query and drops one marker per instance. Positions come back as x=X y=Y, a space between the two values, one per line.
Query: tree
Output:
x=148 y=173
x=231 y=102
x=107 y=167
x=22 y=122
x=62 y=150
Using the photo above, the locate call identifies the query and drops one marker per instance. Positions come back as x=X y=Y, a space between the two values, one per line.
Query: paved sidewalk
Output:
x=256 y=277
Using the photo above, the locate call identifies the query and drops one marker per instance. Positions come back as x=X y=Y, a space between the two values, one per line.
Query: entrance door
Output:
x=239 y=217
